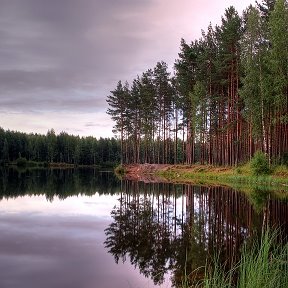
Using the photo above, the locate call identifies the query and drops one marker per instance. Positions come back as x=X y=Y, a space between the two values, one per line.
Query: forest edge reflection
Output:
x=161 y=227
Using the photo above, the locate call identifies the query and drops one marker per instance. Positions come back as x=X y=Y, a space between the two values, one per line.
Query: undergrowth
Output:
x=262 y=265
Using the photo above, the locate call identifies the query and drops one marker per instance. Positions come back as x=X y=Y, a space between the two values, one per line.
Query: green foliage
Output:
x=228 y=95
x=216 y=277
x=59 y=183
x=262 y=265
x=244 y=169
x=238 y=170
x=5 y=151
x=252 y=62
x=120 y=170
x=260 y=164
x=62 y=148
x=281 y=170
x=21 y=162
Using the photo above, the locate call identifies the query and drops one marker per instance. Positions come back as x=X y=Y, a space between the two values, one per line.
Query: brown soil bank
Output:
x=145 y=172
x=169 y=172
x=140 y=169
x=201 y=173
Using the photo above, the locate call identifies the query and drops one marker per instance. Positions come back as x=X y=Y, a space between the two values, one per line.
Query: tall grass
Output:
x=263 y=265
x=217 y=277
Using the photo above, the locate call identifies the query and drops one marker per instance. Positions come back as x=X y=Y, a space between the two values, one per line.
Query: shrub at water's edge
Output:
x=23 y=162
x=120 y=170
x=260 y=164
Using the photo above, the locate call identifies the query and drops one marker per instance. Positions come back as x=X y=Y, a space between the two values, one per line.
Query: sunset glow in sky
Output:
x=60 y=58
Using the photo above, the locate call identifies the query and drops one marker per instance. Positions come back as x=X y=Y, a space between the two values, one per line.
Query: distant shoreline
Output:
x=32 y=164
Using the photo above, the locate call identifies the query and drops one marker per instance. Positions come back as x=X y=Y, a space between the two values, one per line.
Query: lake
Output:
x=85 y=228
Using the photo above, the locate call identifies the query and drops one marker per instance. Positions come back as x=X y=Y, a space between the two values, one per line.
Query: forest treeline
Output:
x=226 y=98
x=61 y=148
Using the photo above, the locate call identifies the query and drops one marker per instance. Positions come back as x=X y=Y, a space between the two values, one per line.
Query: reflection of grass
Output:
x=262 y=265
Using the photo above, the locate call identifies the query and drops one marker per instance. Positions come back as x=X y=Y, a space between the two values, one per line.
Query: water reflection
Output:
x=59 y=243
x=165 y=227
x=160 y=228
x=56 y=182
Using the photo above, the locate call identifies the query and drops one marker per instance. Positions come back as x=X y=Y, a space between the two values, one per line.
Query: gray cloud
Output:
x=71 y=49
x=66 y=55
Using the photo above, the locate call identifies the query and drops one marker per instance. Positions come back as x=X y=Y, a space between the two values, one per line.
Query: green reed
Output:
x=262 y=265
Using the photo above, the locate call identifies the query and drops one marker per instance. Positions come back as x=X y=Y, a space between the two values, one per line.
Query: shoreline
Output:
x=55 y=165
x=204 y=174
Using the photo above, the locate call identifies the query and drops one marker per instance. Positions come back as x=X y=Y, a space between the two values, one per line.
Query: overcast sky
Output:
x=60 y=58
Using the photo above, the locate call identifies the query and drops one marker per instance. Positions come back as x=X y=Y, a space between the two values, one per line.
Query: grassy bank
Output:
x=263 y=264
x=241 y=177
x=234 y=177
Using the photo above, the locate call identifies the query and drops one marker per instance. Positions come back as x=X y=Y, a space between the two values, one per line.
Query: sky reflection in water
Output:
x=60 y=244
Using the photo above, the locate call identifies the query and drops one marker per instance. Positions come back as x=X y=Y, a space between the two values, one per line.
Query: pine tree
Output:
x=278 y=60
x=265 y=8
x=253 y=51
x=5 y=151
x=117 y=101
x=163 y=91
x=51 y=145
x=148 y=116
x=229 y=66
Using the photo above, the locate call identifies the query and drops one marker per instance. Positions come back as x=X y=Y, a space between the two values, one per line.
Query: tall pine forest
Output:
x=226 y=98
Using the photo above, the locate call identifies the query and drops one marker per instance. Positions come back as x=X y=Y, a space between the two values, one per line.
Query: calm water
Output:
x=86 y=229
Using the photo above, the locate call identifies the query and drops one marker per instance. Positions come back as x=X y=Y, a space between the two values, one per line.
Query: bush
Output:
x=120 y=170
x=260 y=164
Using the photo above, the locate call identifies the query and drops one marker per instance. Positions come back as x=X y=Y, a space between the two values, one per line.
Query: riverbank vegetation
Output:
x=265 y=264
x=226 y=98
x=256 y=172
x=240 y=178
x=62 y=150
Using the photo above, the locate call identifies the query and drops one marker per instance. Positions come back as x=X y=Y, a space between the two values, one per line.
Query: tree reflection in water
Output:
x=165 y=228
x=136 y=233
x=61 y=183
